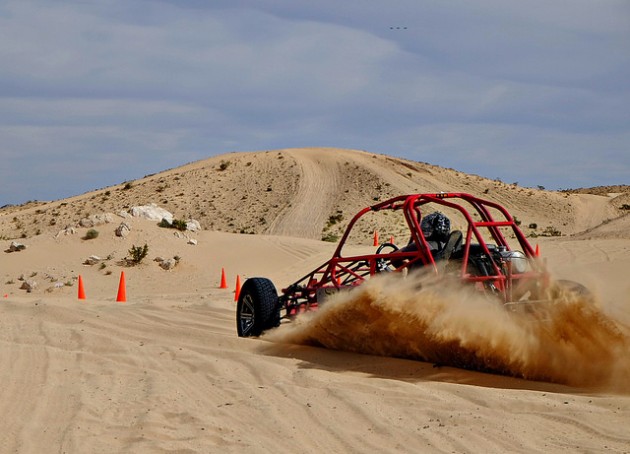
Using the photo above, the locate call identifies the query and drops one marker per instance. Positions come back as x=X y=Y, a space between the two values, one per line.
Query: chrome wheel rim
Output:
x=247 y=314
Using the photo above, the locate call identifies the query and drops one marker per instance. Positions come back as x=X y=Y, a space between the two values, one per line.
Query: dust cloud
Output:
x=569 y=341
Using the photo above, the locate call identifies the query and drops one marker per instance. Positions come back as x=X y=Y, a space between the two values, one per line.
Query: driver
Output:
x=436 y=228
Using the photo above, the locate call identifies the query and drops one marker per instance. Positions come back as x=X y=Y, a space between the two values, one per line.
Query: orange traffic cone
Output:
x=223 y=280
x=537 y=252
x=81 y=289
x=375 y=238
x=391 y=239
x=122 y=292
x=237 y=291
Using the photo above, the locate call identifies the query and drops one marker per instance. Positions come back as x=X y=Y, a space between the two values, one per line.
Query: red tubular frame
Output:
x=343 y=272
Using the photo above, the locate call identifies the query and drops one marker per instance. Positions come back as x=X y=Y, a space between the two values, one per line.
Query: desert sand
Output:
x=164 y=371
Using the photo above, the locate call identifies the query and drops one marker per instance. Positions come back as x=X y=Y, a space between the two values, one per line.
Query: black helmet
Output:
x=436 y=227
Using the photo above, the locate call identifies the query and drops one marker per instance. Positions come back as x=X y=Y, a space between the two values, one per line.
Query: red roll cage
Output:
x=348 y=271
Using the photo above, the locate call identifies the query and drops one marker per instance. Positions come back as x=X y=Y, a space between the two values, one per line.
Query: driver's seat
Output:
x=454 y=242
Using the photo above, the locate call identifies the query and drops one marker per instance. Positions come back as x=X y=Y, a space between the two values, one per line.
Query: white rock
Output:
x=168 y=264
x=193 y=225
x=96 y=219
x=192 y=241
x=69 y=230
x=152 y=212
x=123 y=229
x=92 y=260
x=16 y=247
x=28 y=285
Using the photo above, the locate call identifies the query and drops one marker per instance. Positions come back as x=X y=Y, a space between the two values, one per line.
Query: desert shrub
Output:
x=224 y=165
x=551 y=231
x=625 y=206
x=330 y=237
x=178 y=224
x=137 y=253
x=90 y=234
x=334 y=218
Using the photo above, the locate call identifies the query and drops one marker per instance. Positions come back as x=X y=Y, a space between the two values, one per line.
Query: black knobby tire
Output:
x=257 y=308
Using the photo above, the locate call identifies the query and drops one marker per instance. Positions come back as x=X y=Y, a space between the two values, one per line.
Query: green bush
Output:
x=178 y=224
x=90 y=234
x=551 y=231
x=137 y=253
x=330 y=237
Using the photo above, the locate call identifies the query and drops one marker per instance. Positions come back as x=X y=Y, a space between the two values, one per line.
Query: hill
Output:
x=294 y=192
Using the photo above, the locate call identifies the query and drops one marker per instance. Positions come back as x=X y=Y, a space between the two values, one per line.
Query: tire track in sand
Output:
x=317 y=189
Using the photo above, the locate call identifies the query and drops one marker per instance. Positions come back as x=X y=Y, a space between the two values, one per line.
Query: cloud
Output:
x=162 y=83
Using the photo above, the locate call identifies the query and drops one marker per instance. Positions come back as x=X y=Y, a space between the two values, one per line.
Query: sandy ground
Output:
x=166 y=372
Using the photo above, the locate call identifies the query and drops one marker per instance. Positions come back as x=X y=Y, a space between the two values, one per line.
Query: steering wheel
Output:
x=384 y=264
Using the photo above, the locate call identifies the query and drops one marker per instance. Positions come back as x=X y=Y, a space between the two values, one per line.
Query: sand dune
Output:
x=165 y=371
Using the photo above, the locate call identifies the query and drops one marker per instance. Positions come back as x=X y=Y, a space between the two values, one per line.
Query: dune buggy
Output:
x=485 y=249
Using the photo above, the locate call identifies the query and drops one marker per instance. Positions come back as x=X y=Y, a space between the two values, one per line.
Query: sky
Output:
x=95 y=93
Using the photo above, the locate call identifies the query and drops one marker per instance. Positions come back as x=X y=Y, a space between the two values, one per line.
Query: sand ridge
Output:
x=272 y=191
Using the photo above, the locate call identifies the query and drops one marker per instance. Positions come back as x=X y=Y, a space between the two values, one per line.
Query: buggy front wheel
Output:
x=257 y=308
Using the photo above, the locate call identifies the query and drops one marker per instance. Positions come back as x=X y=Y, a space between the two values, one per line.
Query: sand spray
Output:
x=572 y=341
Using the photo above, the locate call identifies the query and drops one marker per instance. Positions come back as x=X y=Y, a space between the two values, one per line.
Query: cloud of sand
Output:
x=571 y=341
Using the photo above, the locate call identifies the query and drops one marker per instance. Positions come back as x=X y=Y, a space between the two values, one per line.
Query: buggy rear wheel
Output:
x=562 y=287
x=257 y=307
